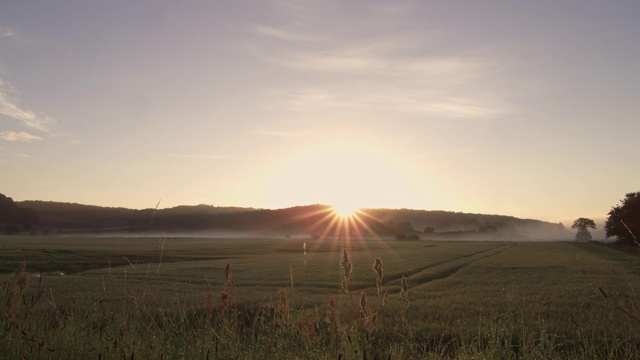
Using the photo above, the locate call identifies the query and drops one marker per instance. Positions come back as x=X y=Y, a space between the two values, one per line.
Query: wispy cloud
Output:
x=272 y=32
x=18 y=136
x=21 y=155
x=9 y=108
x=440 y=72
x=399 y=71
x=7 y=32
x=378 y=98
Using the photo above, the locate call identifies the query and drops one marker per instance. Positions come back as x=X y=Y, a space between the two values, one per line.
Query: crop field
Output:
x=90 y=297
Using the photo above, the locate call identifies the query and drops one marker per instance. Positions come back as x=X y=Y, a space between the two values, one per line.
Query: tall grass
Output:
x=131 y=319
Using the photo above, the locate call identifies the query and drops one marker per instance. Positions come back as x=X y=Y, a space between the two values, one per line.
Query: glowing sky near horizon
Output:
x=527 y=109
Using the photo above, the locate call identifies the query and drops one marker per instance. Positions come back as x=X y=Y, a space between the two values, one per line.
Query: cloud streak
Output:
x=28 y=118
x=377 y=97
x=7 y=32
x=401 y=71
x=279 y=34
x=18 y=136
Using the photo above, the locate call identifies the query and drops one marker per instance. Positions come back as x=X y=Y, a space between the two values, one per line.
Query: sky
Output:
x=522 y=108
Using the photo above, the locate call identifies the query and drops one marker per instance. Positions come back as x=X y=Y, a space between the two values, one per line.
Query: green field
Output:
x=162 y=298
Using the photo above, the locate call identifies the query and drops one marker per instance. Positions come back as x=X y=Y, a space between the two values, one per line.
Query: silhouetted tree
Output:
x=11 y=229
x=429 y=230
x=624 y=220
x=488 y=229
x=583 y=225
x=406 y=225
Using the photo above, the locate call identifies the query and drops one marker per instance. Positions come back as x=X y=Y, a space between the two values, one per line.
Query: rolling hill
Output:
x=310 y=220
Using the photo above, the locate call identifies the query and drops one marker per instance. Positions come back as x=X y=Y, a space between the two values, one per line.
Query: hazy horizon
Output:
x=567 y=223
x=520 y=109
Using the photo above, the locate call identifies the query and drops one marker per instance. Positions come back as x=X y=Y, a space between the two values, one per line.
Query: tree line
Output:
x=623 y=222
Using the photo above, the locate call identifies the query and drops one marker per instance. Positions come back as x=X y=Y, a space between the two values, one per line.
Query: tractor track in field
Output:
x=446 y=272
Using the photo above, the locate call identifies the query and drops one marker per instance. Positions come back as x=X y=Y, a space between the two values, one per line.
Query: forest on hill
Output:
x=311 y=220
x=11 y=214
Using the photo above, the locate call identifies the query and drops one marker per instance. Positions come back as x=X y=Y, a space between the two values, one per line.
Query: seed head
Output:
x=283 y=310
x=332 y=316
x=377 y=267
x=346 y=267
x=404 y=291
x=227 y=271
x=346 y=264
x=365 y=311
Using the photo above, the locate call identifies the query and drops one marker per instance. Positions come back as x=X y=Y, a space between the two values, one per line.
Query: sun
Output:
x=344 y=173
x=344 y=210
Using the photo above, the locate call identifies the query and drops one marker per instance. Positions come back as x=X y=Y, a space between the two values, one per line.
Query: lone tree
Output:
x=583 y=225
x=624 y=220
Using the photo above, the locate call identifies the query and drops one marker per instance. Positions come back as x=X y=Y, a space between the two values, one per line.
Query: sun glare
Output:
x=344 y=210
x=343 y=173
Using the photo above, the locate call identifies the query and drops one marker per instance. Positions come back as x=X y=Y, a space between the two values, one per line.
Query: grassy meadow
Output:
x=170 y=298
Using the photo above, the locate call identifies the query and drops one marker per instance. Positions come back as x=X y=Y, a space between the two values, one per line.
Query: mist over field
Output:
x=311 y=221
x=213 y=235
